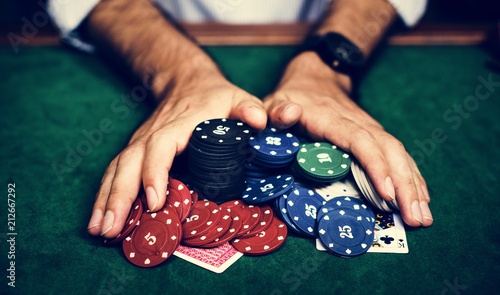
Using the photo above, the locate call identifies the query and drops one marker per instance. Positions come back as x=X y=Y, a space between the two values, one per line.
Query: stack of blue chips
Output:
x=273 y=153
x=299 y=208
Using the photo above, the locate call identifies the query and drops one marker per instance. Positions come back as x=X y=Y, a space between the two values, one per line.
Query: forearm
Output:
x=142 y=37
x=363 y=22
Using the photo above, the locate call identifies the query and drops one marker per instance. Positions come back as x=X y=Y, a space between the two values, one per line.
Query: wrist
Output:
x=308 y=67
x=189 y=74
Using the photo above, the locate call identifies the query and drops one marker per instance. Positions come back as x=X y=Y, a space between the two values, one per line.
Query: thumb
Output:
x=283 y=113
x=250 y=110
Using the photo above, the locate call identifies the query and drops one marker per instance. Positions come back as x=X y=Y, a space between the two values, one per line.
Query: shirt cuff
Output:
x=410 y=11
x=67 y=16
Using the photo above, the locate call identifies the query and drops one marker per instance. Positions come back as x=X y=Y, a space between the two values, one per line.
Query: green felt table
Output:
x=51 y=96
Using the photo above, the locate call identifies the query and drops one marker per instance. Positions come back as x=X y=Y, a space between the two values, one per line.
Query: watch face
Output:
x=337 y=52
x=344 y=50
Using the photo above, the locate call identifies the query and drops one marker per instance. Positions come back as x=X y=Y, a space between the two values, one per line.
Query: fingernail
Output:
x=107 y=223
x=416 y=212
x=258 y=109
x=426 y=212
x=389 y=188
x=285 y=108
x=152 y=198
x=95 y=219
x=426 y=192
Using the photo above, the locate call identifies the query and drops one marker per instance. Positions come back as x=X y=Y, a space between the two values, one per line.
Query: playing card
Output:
x=344 y=187
x=389 y=237
x=214 y=259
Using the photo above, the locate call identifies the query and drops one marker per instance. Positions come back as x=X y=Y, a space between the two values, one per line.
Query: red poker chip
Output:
x=174 y=201
x=185 y=196
x=249 y=215
x=154 y=240
x=194 y=200
x=194 y=197
x=234 y=228
x=265 y=221
x=132 y=221
x=265 y=242
x=204 y=216
x=217 y=231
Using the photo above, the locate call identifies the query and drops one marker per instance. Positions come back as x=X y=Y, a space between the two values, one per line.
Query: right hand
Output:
x=148 y=156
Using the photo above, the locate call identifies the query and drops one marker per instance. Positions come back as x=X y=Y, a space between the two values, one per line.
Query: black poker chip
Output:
x=216 y=155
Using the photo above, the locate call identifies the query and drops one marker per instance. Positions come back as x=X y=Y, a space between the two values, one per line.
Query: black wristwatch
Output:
x=336 y=51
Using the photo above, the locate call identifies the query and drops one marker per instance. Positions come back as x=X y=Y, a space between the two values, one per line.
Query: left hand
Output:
x=315 y=99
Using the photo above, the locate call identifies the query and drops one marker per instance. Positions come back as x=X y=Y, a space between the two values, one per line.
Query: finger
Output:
x=283 y=113
x=95 y=223
x=423 y=183
x=427 y=219
x=161 y=149
x=124 y=189
x=363 y=145
x=407 y=190
x=250 y=110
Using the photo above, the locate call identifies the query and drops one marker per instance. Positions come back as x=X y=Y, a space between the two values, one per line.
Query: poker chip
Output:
x=186 y=199
x=268 y=189
x=281 y=211
x=346 y=202
x=174 y=201
x=221 y=132
x=234 y=229
x=249 y=215
x=264 y=222
x=322 y=162
x=216 y=153
x=194 y=198
x=154 y=240
x=273 y=144
x=213 y=233
x=204 y=216
x=273 y=152
x=302 y=206
x=265 y=242
x=345 y=233
x=131 y=222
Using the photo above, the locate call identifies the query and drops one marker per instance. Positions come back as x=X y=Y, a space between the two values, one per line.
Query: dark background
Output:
x=438 y=11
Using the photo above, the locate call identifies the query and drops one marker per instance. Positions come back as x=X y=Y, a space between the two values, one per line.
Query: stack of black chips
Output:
x=217 y=151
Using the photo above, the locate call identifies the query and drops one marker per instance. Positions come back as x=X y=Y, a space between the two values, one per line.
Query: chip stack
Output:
x=268 y=189
x=217 y=152
x=321 y=162
x=298 y=209
x=273 y=152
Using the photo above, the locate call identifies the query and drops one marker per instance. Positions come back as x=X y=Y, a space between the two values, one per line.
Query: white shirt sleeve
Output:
x=410 y=11
x=68 y=14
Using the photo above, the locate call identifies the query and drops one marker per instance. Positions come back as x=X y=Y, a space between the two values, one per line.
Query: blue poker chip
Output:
x=302 y=207
x=270 y=143
x=344 y=233
x=347 y=202
x=268 y=188
x=280 y=204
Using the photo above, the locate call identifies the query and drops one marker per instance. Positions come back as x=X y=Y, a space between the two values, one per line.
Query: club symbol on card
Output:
x=387 y=240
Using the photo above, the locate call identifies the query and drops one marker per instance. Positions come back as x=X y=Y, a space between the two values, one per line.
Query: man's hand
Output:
x=189 y=88
x=148 y=157
x=315 y=98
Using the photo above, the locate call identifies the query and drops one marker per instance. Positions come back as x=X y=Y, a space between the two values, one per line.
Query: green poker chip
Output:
x=322 y=161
